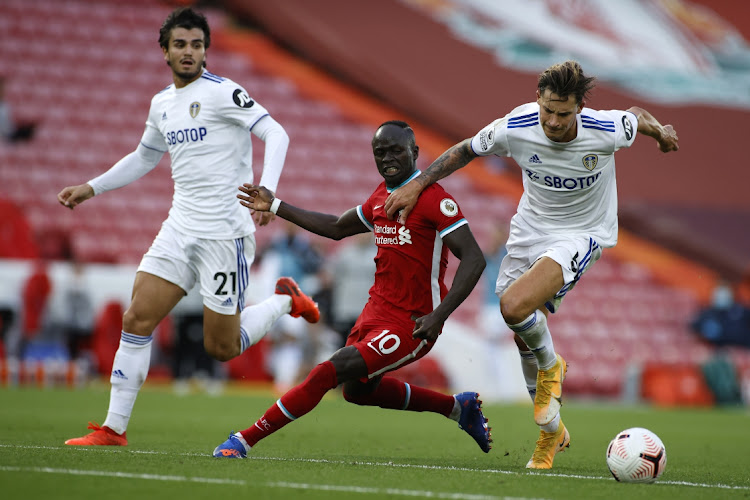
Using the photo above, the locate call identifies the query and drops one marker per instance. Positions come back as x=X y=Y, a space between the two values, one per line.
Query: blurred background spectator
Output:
x=725 y=321
x=352 y=272
x=491 y=322
x=293 y=254
x=78 y=311
x=10 y=129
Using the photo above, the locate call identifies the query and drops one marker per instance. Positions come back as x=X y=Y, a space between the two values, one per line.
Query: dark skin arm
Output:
x=259 y=198
x=405 y=197
x=462 y=244
x=348 y=362
x=350 y=367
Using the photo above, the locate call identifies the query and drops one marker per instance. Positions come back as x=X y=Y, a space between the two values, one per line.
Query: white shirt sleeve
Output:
x=492 y=139
x=130 y=168
x=276 y=144
x=626 y=127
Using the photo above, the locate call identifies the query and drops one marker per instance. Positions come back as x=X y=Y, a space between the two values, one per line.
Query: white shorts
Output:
x=221 y=266
x=575 y=253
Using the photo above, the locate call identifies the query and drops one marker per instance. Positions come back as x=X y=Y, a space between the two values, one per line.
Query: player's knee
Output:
x=513 y=310
x=137 y=323
x=221 y=350
x=357 y=392
x=349 y=397
x=353 y=395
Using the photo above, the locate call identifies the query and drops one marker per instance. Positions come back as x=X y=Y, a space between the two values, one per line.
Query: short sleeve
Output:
x=626 y=127
x=364 y=212
x=236 y=105
x=441 y=208
x=492 y=139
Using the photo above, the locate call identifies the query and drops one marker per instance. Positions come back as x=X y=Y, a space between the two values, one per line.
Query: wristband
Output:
x=274 y=205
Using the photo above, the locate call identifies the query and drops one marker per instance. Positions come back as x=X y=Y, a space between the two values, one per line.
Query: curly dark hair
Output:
x=184 y=17
x=566 y=79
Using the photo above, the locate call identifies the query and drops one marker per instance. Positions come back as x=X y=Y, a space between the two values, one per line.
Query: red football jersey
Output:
x=411 y=259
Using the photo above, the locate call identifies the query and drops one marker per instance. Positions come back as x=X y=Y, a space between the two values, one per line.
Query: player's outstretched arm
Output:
x=463 y=245
x=405 y=197
x=261 y=199
x=72 y=196
x=128 y=169
x=665 y=135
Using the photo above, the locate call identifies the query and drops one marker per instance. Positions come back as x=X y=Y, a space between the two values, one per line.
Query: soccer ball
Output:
x=636 y=455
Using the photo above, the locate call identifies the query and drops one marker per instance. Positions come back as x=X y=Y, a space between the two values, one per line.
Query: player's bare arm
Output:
x=405 y=197
x=260 y=199
x=72 y=196
x=462 y=244
x=665 y=135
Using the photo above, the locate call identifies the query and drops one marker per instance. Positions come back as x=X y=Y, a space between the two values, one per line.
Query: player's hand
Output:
x=255 y=198
x=263 y=218
x=668 y=140
x=73 y=196
x=403 y=199
x=427 y=327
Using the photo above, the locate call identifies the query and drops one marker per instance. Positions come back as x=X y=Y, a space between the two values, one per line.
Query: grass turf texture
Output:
x=343 y=451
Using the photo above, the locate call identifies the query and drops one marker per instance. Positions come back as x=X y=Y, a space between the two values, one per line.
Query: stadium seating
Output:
x=89 y=88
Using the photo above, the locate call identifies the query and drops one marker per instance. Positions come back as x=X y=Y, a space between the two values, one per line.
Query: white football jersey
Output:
x=568 y=187
x=206 y=126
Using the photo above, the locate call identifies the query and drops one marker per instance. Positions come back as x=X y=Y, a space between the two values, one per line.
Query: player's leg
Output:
x=535 y=344
x=574 y=256
x=153 y=298
x=386 y=349
x=391 y=393
x=298 y=401
x=521 y=306
x=224 y=274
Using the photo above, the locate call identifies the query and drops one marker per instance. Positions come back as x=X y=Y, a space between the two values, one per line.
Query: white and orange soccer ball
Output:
x=636 y=455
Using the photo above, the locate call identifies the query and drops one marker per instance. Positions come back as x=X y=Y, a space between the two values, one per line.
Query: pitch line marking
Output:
x=372 y=464
x=269 y=484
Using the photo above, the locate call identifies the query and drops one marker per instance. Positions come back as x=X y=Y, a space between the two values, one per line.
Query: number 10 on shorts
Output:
x=384 y=343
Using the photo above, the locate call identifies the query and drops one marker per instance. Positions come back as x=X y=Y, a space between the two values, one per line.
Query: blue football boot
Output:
x=472 y=419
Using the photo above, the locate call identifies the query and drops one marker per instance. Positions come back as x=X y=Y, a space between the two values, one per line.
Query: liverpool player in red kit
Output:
x=408 y=303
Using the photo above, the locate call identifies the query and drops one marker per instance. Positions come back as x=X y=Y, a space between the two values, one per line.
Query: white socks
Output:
x=535 y=334
x=242 y=440
x=456 y=412
x=129 y=371
x=257 y=320
x=529 y=369
x=553 y=425
x=133 y=357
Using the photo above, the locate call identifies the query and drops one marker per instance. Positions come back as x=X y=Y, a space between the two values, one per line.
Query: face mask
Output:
x=723 y=297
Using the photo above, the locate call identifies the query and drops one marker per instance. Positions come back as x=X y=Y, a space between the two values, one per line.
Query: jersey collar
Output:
x=416 y=173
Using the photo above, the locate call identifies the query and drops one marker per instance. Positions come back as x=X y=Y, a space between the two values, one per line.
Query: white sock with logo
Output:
x=529 y=369
x=129 y=371
x=257 y=320
x=535 y=334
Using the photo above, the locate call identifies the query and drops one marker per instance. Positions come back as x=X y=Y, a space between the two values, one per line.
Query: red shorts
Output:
x=386 y=345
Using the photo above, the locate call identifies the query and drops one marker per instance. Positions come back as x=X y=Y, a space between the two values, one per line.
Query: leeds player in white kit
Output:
x=566 y=215
x=204 y=121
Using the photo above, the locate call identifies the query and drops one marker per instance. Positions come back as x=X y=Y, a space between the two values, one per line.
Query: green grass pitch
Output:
x=341 y=451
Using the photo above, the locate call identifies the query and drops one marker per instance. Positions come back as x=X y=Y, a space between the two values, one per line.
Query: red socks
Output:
x=295 y=403
x=391 y=393
x=397 y=395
